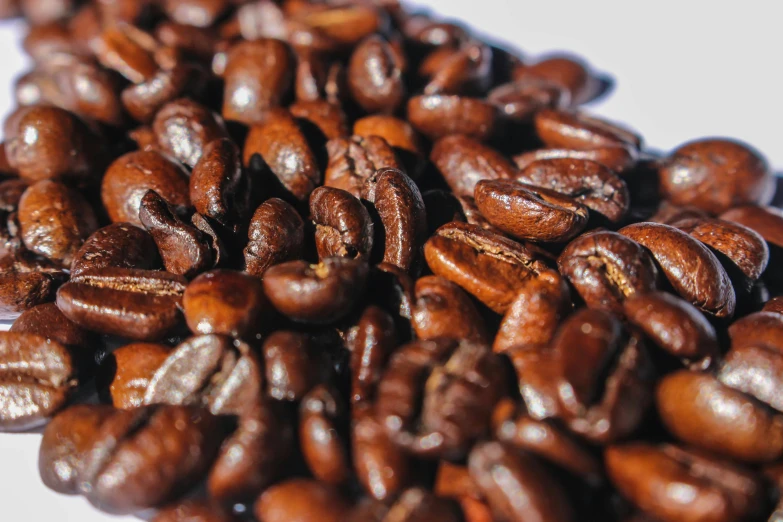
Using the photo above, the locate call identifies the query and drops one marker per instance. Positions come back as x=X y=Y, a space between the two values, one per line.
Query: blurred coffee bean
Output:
x=134 y=366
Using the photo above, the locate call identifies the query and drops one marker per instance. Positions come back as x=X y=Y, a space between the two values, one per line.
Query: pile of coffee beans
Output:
x=335 y=261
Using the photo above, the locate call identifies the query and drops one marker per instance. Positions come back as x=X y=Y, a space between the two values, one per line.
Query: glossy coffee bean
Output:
x=760 y=328
x=574 y=130
x=375 y=76
x=198 y=13
x=464 y=162
x=321 y=415
x=527 y=212
x=436 y=116
x=767 y=221
x=47 y=321
x=328 y=117
x=354 y=160
x=184 y=128
x=704 y=413
x=607 y=268
x=566 y=71
x=522 y=99
x=417 y=505
x=193 y=511
x=304 y=500
x=219 y=189
x=37 y=377
x=693 y=271
x=129 y=178
x=22 y=288
x=669 y=214
x=342 y=224
x=716 y=175
x=319 y=293
x=276 y=235
x=135 y=365
x=490 y=267
x=774 y=305
x=382 y=467
x=755 y=369
x=224 y=302
x=132 y=303
x=717 y=490
x=144 y=100
x=120 y=245
x=371 y=344
x=443 y=309
x=293 y=365
x=465 y=70
x=127 y=50
x=397 y=133
x=617 y=158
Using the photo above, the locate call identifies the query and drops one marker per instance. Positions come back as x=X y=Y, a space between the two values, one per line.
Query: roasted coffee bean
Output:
x=741 y=245
x=193 y=511
x=129 y=51
x=303 y=500
x=774 y=305
x=178 y=442
x=424 y=30
x=567 y=72
x=443 y=309
x=36 y=378
x=319 y=293
x=129 y=178
x=185 y=250
x=464 y=162
x=54 y=221
x=324 y=447
x=575 y=130
x=258 y=75
x=120 y=245
x=281 y=143
x=437 y=115
x=184 y=128
x=276 y=235
x=311 y=73
x=419 y=505
x=44 y=12
x=134 y=366
x=66 y=441
x=225 y=302
x=675 y=326
x=465 y=70
x=504 y=476
x=400 y=207
x=371 y=344
x=760 y=328
x=397 y=133
x=436 y=397
x=454 y=481
x=48 y=143
x=354 y=160
x=343 y=226
x=767 y=221
x=528 y=212
x=704 y=413
x=488 y=266
x=375 y=76
x=23 y=287
x=588 y=182
x=197 y=42
x=199 y=13
x=755 y=369
x=717 y=490
x=328 y=117
x=616 y=158
x=144 y=100
x=607 y=268
x=382 y=467
x=47 y=321
x=534 y=314
x=669 y=214
x=219 y=189
x=522 y=99
x=132 y=303
x=693 y=271
x=716 y=175
x=293 y=365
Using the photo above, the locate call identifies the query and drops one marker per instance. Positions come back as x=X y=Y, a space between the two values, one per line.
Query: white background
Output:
x=682 y=69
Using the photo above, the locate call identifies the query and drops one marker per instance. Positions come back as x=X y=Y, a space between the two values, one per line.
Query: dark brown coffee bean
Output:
x=120 y=245
x=257 y=75
x=55 y=221
x=716 y=175
x=319 y=293
x=669 y=214
x=193 y=511
x=588 y=182
x=48 y=321
x=422 y=29
x=454 y=481
x=129 y=178
x=774 y=305
x=342 y=225
x=129 y=51
x=755 y=369
x=36 y=378
x=464 y=162
x=303 y=500
x=198 y=42
x=38 y=12
x=699 y=410
x=311 y=73
x=324 y=447
x=528 y=212
x=423 y=384
x=522 y=99
x=347 y=24
x=535 y=313
x=135 y=365
x=293 y=365
x=382 y=467
x=276 y=235
x=767 y=221
x=328 y=117
x=467 y=70
x=184 y=128
x=693 y=271
x=354 y=160
x=225 y=302
x=607 y=268
x=741 y=245
x=675 y=326
x=504 y=476
x=568 y=72
x=443 y=309
x=199 y=13
x=132 y=303
x=397 y=133
x=371 y=344
x=375 y=76
x=575 y=130
x=179 y=443
x=218 y=188
x=400 y=207
x=281 y=143
x=144 y=100
x=616 y=158
x=717 y=490
x=488 y=266
x=420 y=505
x=66 y=441
x=438 y=115
x=49 y=143
x=760 y=328
x=22 y=288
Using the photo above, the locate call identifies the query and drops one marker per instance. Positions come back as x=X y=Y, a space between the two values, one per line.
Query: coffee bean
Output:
x=464 y=162
x=132 y=303
x=760 y=328
x=326 y=116
x=47 y=321
x=397 y=133
x=371 y=344
x=438 y=115
x=36 y=378
x=715 y=175
x=193 y=511
x=527 y=212
x=135 y=365
x=382 y=467
x=23 y=287
x=354 y=160
x=199 y=13
x=129 y=51
x=618 y=158
x=319 y=293
x=607 y=268
x=184 y=128
x=304 y=500
x=418 y=505
x=668 y=214
x=767 y=221
x=43 y=12
x=467 y=70
x=293 y=365
x=426 y=31
x=522 y=99
x=321 y=415
x=120 y=245
x=693 y=271
x=568 y=72
x=342 y=224
x=774 y=305
x=573 y=130
x=375 y=76
x=144 y=100
x=276 y=235
x=755 y=369
x=443 y=309
x=129 y=178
